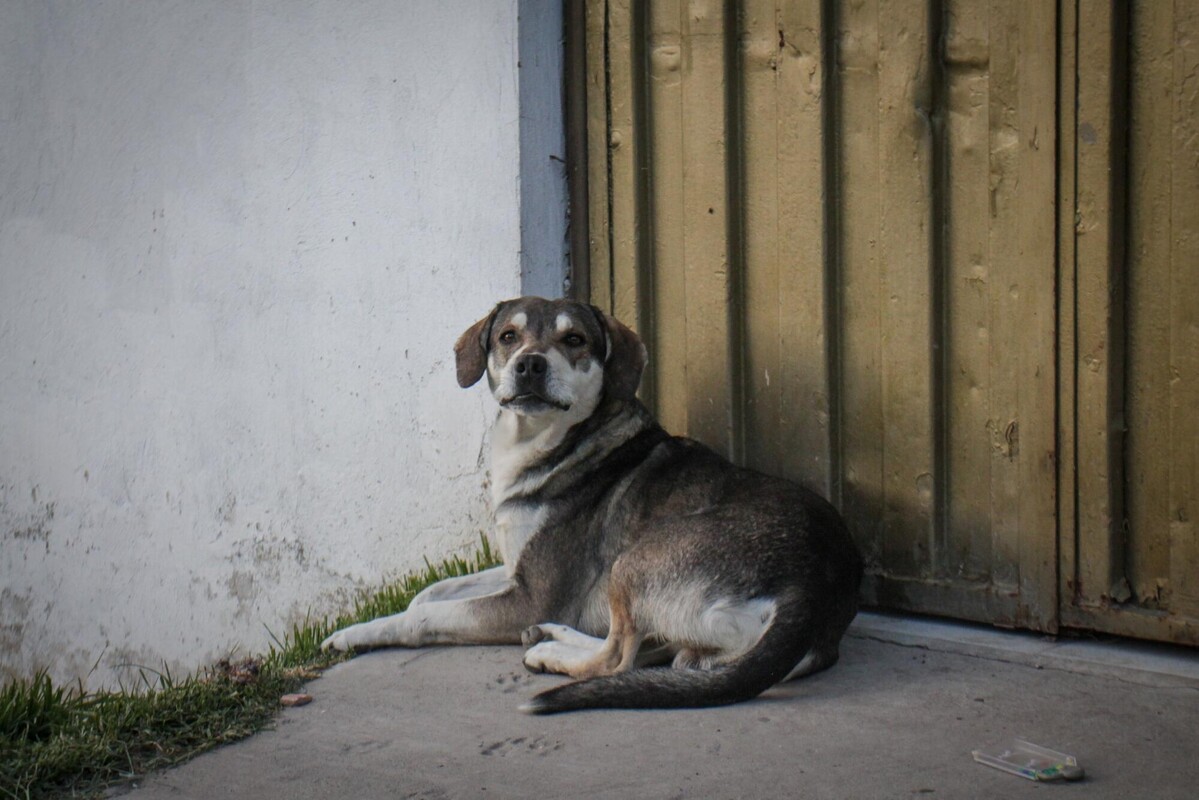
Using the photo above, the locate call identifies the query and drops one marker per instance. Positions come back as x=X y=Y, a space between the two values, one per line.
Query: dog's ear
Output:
x=470 y=351
x=625 y=357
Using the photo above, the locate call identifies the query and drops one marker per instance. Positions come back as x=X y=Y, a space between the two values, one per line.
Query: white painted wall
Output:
x=237 y=242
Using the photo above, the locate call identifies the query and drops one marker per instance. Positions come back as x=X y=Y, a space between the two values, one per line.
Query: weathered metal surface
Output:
x=783 y=191
x=1133 y=567
x=1097 y=370
x=863 y=257
x=599 y=260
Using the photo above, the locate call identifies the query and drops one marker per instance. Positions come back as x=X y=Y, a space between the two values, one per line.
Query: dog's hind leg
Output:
x=557 y=648
x=817 y=659
x=561 y=649
x=692 y=658
x=826 y=649
x=619 y=651
x=824 y=652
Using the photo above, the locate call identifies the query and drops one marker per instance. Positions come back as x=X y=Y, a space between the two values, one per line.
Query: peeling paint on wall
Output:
x=35 y=525
x=14 y=610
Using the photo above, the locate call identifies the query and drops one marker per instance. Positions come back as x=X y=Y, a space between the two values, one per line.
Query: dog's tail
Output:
x=790 y=636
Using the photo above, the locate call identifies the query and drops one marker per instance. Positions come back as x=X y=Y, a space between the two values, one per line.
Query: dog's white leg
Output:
x=493 y=619
x=489 y=581
x=550 y=631
x=582 y=658
x=817 y=659
x=558 y=648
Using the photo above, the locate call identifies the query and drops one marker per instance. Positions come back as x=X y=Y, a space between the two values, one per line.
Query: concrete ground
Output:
x=898 y=717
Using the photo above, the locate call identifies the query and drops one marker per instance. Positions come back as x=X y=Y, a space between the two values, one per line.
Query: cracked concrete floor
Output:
x=898 y=717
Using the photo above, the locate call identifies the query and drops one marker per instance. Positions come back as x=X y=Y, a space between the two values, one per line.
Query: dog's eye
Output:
x=508 y=337
x=574 y=340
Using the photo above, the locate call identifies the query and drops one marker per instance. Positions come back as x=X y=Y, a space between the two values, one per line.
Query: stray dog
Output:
x=624 y=545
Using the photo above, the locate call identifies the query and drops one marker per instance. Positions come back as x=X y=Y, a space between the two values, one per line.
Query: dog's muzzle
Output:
x=530 y=372
x=530 y=369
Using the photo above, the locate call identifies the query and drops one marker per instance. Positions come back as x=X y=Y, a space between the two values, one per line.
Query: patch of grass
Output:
x=60 y=742
x=32 y=709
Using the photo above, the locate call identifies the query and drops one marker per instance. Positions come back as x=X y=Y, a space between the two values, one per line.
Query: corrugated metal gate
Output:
x=869 y=249
x=1130 y=320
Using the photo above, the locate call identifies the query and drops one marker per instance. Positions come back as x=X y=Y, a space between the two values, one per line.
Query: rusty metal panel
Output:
x=946 y=265
x=897 y=282
x=785 y=286
x=862 y=256
x=1067 y=315
x=1030 y=295
x=1181 y=360
x=997 y=385
x=841 y=233
x=1133 y=567
x=707 y=209
x=858 y=266
x=1098 y=255
x=949 y=310
x=595 y=49
x=668 y=339
x=1162 y=322
x=625 y=78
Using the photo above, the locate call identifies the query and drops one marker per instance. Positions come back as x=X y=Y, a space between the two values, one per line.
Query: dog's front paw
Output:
x=539 y=658
x=341 y=641
x=556 y=657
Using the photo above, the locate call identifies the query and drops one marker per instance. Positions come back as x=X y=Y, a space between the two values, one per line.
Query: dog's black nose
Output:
x=531 y=365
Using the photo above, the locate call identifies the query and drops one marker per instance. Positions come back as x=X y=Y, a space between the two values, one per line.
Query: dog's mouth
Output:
x=531 y=402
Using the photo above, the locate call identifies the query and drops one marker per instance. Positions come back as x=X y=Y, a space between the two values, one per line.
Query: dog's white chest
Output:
x=515 y=525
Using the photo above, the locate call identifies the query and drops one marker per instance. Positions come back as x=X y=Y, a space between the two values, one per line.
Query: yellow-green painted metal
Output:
x=1130 y=350
x=881 y=247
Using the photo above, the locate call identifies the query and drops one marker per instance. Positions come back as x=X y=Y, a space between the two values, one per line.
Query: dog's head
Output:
x=546 y=356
